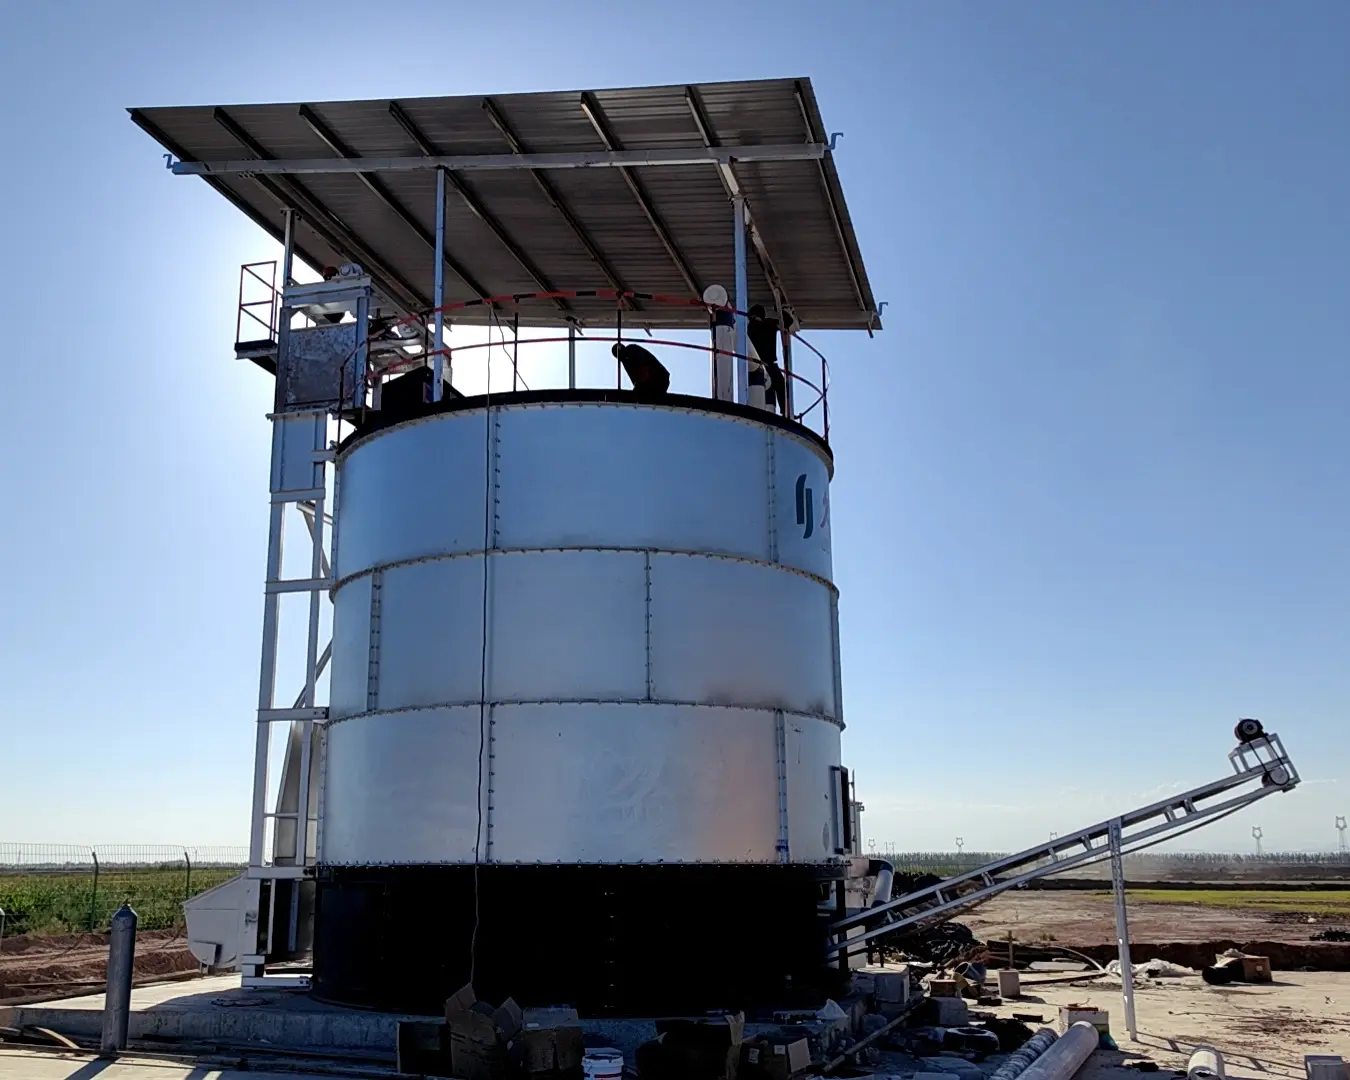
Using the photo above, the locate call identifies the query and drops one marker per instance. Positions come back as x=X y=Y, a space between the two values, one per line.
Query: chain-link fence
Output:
x=1141 y=866
x=61 y=888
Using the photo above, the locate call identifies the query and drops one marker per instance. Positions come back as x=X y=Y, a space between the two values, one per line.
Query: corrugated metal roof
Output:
x=514 y=231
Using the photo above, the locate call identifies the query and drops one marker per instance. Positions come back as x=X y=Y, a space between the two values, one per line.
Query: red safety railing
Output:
x=817 y=393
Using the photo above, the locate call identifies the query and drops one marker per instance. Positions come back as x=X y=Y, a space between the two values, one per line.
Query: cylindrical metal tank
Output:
x=585 y=656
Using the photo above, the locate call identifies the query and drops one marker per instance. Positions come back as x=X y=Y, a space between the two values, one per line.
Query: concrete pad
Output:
x=18 y=1064
x=217 y=1010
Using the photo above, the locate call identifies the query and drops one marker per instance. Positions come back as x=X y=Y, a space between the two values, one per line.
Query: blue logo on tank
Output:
x=805 y=508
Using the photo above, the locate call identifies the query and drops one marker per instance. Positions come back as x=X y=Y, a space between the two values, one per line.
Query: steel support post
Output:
x=117 y=999
x=571 y=357
x=742 y=302
x=1122 y=927
x=438 y=295
x=267 y=678
x=288 y=217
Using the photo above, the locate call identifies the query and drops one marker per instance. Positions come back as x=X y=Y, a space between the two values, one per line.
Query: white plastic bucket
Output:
x=602 y=1063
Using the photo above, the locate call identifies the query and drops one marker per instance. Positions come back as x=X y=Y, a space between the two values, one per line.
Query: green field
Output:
x=60 y=902
x=1314 y=902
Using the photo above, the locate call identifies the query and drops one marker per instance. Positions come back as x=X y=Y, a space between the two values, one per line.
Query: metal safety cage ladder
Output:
x=302 y=454
x=1259 y=760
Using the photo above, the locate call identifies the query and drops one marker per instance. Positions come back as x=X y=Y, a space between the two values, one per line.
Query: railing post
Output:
x=121 y=960
x=93 y=896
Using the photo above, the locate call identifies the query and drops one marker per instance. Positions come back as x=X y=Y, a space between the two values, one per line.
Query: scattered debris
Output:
x=1153 y=969
x=1333 y=934
x=1012 y=1034
x=946 y=943
x=1234 y=966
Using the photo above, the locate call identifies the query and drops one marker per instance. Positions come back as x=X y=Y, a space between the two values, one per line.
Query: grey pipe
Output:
x=121 y=959
x=1066 y=1056
x=1029 y=1051
x=885 y=873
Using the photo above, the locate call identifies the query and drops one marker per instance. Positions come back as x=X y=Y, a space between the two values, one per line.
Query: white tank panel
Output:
x=633 y=783
x=349 y=668
x=798 y=465
x=737 y=633
x=400 y=787
x=812 y=748
x=412 y=491
x=631 y=476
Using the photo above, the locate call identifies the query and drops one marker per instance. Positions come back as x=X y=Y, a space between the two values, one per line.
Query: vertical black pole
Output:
x=93 y=895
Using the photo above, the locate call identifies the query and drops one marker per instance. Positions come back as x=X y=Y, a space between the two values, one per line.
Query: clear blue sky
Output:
x=1091 y=499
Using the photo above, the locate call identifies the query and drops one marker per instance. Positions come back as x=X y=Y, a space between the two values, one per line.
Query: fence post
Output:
x=187 y=881
x=121 y=959
x=93 y=896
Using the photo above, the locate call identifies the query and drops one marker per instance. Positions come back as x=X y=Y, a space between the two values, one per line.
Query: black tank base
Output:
x=629 y=940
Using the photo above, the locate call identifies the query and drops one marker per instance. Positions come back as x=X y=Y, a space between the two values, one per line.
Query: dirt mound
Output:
x=37 y=965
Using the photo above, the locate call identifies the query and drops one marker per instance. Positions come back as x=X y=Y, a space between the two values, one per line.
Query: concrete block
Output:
x=951 y=1011
x=1325 y=1067
x=1009 y=983
x=891 y=986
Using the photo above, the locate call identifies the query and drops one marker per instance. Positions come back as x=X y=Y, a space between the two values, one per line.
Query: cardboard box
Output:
x=776 y=1059
x=700 y=1049
x=942 y=988
x=1072 y=1014
x=478 y=1035
x=551 y=1049
x=423 y=1049
x=1256 y=969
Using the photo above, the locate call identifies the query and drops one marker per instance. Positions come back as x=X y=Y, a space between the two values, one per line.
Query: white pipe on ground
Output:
x=1066 y=1056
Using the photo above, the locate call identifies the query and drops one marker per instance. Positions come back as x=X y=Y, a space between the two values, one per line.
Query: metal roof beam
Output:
x=733 y=187
x=578 y=159
x=475 y=205
x=316 y=125
x=318 y=216
x=834 y=210
x=591 y=107
x=555 y=200
x=270 y=227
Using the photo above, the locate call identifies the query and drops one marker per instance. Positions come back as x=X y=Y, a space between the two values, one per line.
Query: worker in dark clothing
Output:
x=763 y=334
x=649 y=376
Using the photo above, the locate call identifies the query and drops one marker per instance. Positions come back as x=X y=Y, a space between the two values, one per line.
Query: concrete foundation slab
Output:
x=217 y=1011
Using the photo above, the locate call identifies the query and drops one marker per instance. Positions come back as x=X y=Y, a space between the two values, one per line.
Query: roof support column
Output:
x=741 y=303
x=288 y=216
x=438 y=294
